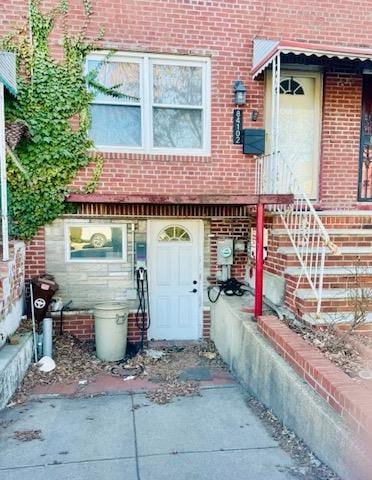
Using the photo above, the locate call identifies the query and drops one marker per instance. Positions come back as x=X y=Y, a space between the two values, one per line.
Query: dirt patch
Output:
x=174 y=360
x=76 y=363
x=75 y=360
x=308 y=466
x=27 y=435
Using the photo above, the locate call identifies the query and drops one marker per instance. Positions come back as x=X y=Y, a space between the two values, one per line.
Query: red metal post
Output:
x=258 y=291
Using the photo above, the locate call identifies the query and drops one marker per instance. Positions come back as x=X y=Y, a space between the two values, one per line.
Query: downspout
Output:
x=3 y=183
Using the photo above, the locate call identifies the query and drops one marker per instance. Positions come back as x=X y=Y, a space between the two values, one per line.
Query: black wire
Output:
x=143 y=320
x=230 y=287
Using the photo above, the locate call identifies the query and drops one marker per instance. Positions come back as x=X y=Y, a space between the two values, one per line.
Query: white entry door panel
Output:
x=299 y=125
x=175 y=279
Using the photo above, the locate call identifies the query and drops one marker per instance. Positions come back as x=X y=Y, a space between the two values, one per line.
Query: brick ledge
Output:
x=348 y=398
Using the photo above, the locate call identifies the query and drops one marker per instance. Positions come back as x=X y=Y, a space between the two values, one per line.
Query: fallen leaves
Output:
x=27 y=435
x=168 y=391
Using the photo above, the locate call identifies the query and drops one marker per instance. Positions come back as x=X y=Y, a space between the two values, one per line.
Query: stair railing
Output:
x=309 y=238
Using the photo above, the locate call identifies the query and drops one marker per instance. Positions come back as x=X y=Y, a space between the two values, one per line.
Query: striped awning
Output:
x=8 y=71
x=265 y=50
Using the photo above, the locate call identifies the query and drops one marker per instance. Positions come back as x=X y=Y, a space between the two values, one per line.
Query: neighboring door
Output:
x=299 y=125
x=175 y=278
x=365 y=164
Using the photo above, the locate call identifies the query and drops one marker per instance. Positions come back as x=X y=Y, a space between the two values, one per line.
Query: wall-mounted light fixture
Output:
x=239 y=93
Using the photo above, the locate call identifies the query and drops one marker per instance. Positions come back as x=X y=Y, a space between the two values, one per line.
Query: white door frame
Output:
x=318 y=94
x=200 y=224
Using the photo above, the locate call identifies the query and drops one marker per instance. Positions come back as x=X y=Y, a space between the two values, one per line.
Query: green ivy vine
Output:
x=53 y=100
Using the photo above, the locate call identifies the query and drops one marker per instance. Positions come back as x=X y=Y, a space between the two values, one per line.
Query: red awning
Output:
x=265 y=50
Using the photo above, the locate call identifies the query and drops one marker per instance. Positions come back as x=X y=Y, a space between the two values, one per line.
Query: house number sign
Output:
x=237 y=126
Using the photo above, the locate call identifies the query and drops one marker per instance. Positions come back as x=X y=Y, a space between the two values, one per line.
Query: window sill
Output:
x=152 y=153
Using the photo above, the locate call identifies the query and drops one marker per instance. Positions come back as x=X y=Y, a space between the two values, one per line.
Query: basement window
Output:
x=165 y=108
x=96 y=243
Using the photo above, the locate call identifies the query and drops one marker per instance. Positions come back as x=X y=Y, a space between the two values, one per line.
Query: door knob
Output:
x=194 y=290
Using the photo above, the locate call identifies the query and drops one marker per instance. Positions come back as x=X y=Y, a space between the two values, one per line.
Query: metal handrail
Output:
x=309 y=238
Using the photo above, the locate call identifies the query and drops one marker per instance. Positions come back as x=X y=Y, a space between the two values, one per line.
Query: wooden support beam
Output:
x=209 y=199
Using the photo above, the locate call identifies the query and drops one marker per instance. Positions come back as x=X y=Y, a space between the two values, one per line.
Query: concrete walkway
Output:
x=215 y=437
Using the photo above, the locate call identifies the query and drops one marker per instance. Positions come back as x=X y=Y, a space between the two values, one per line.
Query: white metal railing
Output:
x=307 y=234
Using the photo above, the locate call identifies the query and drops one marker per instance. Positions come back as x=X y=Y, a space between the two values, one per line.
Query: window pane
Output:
x=118 y=73
x=177 y=85
x=179 y=128
x=116 y=125
x=96 y=242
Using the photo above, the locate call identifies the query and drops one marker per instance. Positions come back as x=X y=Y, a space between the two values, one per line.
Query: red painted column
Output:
x=258 y=290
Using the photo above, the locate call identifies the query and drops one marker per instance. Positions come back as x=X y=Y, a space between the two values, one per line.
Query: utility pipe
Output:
x=258 y=290
x=4 y=199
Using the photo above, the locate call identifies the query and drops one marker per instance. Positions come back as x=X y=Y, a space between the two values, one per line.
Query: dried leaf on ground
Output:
x=27 y=435
x=308 y=466
x=168 y=391
x=334 y=346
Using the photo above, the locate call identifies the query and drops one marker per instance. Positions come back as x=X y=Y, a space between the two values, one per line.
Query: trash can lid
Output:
x=111 y=306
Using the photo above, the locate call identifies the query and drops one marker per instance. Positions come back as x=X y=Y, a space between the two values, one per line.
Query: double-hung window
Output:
x=165 y=108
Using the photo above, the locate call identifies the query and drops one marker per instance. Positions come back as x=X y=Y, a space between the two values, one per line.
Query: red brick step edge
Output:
x=344 y=394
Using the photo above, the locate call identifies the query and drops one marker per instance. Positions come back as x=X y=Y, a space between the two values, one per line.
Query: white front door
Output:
x=299 y=125
x=175 y=278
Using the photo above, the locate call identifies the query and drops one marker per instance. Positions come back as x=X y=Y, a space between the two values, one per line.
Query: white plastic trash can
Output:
x=111 y=327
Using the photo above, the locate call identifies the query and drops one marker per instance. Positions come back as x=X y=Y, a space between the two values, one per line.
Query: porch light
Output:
x=239 y=92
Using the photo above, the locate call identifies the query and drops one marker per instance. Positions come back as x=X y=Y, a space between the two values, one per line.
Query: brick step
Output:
x=332 y=317
x=342 y=237
x=334 y=277
x=332 y=281
x=334 y=300
x=337 y=219
x=286 y=257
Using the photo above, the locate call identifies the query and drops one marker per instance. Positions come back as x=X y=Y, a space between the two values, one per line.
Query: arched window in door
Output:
x=290 y=86
x=174 y=233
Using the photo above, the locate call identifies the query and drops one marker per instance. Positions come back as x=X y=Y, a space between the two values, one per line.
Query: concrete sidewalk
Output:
x=126 y=437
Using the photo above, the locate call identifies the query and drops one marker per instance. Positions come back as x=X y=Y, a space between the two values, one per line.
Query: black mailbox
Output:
x=254 y=141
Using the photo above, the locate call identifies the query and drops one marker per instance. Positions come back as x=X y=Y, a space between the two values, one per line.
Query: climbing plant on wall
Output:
x=53 y=101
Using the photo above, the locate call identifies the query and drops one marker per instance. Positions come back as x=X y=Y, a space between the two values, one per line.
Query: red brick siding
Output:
x=348 y=398
x=238 y=229
x=81 y=325
x=224 y=30
x=35 y=255
x=11 y=274
x=340 y=139
x=206 y=324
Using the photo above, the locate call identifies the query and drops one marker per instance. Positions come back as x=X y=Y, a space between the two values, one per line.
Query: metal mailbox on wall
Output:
x=254 y=141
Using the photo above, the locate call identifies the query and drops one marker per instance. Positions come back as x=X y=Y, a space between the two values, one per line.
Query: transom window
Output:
x=290 y=86
x=174 y=233
x=165 y=108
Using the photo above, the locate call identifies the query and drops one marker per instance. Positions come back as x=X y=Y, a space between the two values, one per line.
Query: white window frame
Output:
x=146 y=61
x=81 y=224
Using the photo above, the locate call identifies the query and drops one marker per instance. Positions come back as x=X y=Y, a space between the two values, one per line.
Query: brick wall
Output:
x=35 y=255
x=80 y=324
x=340 y=139
x=348 y=397
x=237 y=228
x=12 y=278
x=224 y=30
